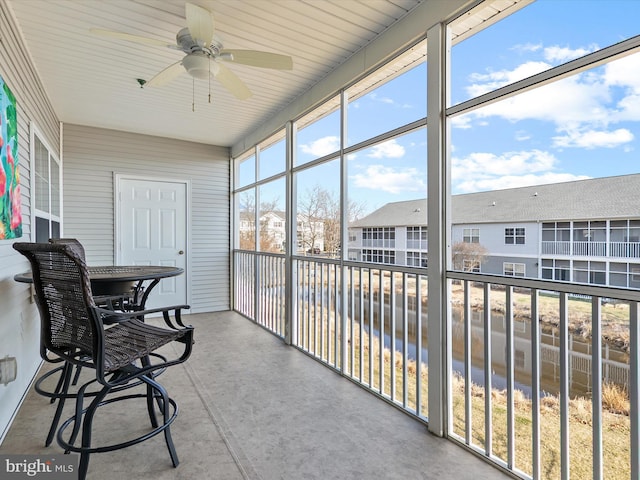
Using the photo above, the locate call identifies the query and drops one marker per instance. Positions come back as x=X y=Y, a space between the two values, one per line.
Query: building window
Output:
x=585 y=271
x=471 y=235
x=417 y=238
x=46 y=190
x=352 y=237
x=382 y=237
x=513 y=269
x=514 y=236
x=379 y=256
x=556 y=269
x=417 y=259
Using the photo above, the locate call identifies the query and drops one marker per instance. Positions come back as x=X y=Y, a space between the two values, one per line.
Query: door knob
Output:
x=181 y=252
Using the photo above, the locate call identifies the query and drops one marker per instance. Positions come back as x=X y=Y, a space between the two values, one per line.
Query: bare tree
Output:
x=247 y=233
x=468 y=257
x=323 y=206
x=311 y=210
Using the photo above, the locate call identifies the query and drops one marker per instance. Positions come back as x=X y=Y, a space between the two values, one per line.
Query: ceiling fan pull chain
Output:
x=193 y=95
x=210 y=80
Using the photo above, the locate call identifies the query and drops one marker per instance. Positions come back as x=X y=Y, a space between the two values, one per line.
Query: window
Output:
x=514 y=236
x=417 y=259
x=246 y=170
x=556 y=232
x=513 y=269
x=589 y=272
x=383 y=237
x=556 y=269
x=272 y=156
x=624 y=274
x=417 y=238
x=379 y=256
x=471 y=235
x=46 y=191
x=271 y=215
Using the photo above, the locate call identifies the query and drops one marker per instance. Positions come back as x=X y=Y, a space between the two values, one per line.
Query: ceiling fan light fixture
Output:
x=199 y=65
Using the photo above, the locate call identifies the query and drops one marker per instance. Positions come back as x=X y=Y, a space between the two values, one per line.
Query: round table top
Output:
x=123 y=273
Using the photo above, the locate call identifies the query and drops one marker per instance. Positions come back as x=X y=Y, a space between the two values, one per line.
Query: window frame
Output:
x=515 y=236
x=36 y=213
x=514 y=267
x=471 y=235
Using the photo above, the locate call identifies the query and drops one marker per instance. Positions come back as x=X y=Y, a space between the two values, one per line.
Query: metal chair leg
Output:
x=87 y=423
x=65 y=377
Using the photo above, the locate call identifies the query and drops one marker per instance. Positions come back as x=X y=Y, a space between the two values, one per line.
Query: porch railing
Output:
x=520 y=355
x=591 y=249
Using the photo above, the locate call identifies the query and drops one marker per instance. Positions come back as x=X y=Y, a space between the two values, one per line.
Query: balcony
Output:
x=592 y=249
x=558 y=359
x=251 y=408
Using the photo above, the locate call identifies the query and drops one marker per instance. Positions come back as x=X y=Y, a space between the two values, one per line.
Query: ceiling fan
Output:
x=205 y=54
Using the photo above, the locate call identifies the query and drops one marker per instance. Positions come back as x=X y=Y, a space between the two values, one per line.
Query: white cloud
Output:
x=463 y=122
x=487 y=171
x=487 y=82
x=388 y=149
x=389 y=101
x=624 y=72
x=557 y=54
x=391 y=180
x=509 y=163
x=322 y=146
x=568 y=103
x=594 y=139
x=590 y=101
x=527 y=47
x=514 y=181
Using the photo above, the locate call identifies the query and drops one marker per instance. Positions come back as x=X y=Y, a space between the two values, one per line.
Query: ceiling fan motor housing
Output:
x=200 y=65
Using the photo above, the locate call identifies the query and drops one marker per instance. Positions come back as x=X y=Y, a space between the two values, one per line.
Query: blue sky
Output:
x=584 y=126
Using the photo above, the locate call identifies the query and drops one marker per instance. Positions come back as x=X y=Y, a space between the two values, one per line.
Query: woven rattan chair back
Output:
x=63 y=296
x=73 y=243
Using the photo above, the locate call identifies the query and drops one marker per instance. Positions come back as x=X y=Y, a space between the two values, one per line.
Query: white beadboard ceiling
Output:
x=91 y=79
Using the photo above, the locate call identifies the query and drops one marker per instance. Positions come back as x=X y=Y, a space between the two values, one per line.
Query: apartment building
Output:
x=309 y=232
x=563 y=231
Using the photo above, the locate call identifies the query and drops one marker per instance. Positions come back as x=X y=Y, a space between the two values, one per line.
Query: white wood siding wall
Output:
x=91 y=158
x=19 y=320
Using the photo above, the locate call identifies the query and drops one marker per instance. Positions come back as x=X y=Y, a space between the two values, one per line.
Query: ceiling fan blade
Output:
x=200 y=24
x=232 y=82
x=256 y=58
x=129 y=37
x=166 y=75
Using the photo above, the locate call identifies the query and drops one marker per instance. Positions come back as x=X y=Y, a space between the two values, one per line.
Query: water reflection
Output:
x=615 y=362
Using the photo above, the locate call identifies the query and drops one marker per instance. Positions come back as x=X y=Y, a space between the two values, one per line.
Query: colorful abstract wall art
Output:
x=10 y=209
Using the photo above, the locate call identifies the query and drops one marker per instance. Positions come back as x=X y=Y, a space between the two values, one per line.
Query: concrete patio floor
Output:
x=254 y=408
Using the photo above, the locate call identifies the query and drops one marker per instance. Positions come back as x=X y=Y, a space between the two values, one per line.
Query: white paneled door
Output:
x=152 y=230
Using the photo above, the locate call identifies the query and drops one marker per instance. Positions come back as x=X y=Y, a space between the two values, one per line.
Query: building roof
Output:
x=593 y=199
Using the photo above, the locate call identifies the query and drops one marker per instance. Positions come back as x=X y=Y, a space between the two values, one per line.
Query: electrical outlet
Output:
x=8 y=369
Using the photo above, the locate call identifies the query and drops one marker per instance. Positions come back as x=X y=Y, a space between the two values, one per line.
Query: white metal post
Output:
x=438 y=222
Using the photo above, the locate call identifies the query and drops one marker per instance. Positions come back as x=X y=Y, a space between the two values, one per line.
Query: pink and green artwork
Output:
x=10 y=212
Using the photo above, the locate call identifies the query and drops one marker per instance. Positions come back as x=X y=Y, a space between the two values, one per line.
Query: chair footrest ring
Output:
x=109 y=448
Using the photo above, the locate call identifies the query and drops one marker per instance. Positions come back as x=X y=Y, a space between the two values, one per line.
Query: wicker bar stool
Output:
x=122 y=302
x=76 y=330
